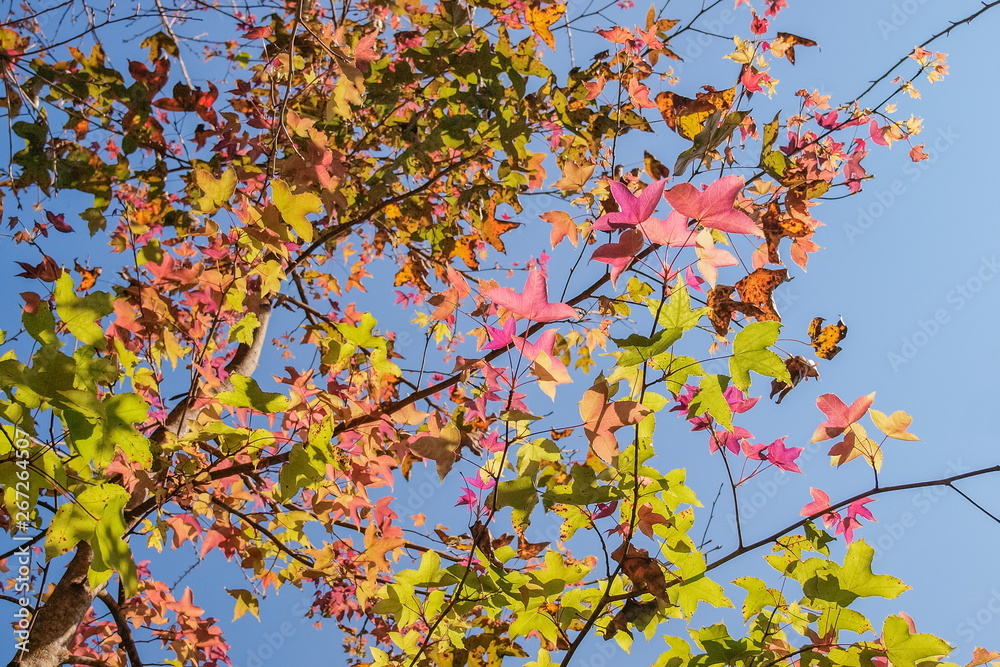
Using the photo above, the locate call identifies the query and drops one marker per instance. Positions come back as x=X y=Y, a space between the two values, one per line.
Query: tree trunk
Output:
x=56 y=621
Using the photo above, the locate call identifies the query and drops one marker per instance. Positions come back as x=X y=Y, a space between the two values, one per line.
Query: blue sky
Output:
x=913 y=266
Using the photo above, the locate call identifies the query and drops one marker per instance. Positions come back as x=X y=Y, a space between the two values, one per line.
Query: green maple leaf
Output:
x=909 y=650
x=845 y=583
x=710 y=399
x=95 y=516
x=534 y=619
x=246 y=393
x=677 y=314
x=698 y=589
x=98 y=428
x=81 y=315
x=750 y=353
x=294 y=208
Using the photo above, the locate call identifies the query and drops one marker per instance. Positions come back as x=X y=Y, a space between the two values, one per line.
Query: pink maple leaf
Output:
x=839 y=415
x=711 y=258
x=468 y=497
x=753 y=451
x=853 y=171
x=640 y=95
x=731 y=440
x=492 y=443
x=877 y=133
x=846 y=528
x=620 y=255
x=737 y=400
x=533 y=301
x=693 y=281
x=632 y=209
x=855 y=512
x=714 y=206
x=499 y=336
x=672 y=231
x=857 y=508
x=479 y=483
x=549 y=370
x=783 y=457
x=821 y=501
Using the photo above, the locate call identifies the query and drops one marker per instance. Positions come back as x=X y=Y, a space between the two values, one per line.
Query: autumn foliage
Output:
x=262 y=283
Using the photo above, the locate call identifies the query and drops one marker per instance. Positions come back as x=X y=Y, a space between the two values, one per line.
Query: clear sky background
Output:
x=913 y=266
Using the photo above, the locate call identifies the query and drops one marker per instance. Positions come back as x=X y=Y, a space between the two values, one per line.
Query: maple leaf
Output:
x=784 y=45
x=856 y=443
x=217 y=191
x=784 y=457
x=293 y=208
x=632 y=209
x=981 y=656
x=532 y=303
x=710 y=258
x=714 y=207
x=687 y=116
x=549 y=370
x=642 y=570
x=620 y=255
x=758 y=289
x=574 y=176
x=639 y=94
x=603 y=417
x=441 y=445
x=59 y=222
x=672 y=231
x=648 y=518
x=917 y=153
x=895 y=425
x=799 y=368
x=499 y=336
x=839 y=415
x=824 y=339
x=617 y=35
x=656 y=169
x=722 y=307
x=821 y=501
x=541 y=19
x=563 y=227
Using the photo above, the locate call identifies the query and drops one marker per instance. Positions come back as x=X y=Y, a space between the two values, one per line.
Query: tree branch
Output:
x=305 y=560
x=947 y=481
x=84 y=660
x=124 y=631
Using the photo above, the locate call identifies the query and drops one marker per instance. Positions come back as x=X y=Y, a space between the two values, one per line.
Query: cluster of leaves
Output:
x=340 y=149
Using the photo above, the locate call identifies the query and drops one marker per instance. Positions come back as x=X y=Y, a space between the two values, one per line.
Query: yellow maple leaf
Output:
x=293 y=208
x=217 y=191
x=856 y=443
x=541 y=19
x=574 y=176
x=894 y=425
